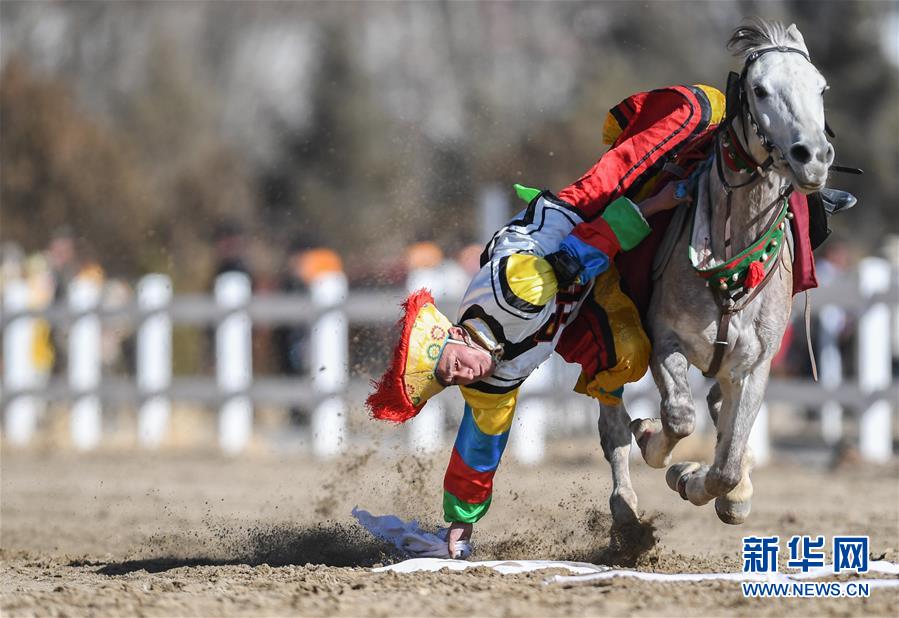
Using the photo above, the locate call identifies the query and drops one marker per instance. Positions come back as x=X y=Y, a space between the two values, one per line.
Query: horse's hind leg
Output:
x=658 y=437
x=615 y=438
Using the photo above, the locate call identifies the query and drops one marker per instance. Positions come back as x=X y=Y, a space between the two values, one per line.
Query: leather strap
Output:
x=808 y=335
x=728 y=237
x=728 y=311
x=720 y=345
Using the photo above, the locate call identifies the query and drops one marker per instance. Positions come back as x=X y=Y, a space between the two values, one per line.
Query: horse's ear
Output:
x=796 y=36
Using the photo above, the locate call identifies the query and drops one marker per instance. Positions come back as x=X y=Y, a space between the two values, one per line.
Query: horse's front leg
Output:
x=615 y=438
x=658 y=437
x=734 y=406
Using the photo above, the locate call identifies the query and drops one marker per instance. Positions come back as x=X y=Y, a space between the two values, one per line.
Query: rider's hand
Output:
x=673 y=194
x=565 y=266
x=457 y=531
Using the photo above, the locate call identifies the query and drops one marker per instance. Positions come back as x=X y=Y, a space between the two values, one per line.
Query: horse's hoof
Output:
x=677 y=476
x=648 y=432
x=733 y=513
x=623 y=504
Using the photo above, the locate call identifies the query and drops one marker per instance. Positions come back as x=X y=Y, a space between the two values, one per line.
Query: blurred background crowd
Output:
x=281 y=139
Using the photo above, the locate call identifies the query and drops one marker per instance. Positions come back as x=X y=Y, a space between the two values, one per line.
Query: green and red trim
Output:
x=748 y=268
x=734 y=155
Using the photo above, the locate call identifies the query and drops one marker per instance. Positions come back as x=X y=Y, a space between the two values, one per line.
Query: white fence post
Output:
x=234 y=361
x=831 y=321
x=874 y=362
x=85 y=363
x=529 y=440
x=19 y=370
x=330 y=366
x=154 y=359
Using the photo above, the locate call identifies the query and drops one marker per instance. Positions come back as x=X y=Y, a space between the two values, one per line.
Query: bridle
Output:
x=730 y=300
x=738 y=106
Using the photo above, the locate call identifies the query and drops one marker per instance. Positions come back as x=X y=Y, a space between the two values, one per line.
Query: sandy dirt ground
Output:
x=171 y=534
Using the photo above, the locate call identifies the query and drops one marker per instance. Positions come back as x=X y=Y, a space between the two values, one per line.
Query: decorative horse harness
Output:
x=737 y=281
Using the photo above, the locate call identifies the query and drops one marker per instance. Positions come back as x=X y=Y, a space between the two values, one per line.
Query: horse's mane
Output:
x=756 y=33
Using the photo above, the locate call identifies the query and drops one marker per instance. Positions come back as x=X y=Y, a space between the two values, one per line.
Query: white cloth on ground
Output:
x=585 y=572
x=409 y=538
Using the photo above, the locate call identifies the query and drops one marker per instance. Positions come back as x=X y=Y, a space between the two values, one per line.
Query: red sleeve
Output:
x=598 y=234
x=664 y=119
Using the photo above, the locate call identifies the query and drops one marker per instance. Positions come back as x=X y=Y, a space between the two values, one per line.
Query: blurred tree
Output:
x=371 y=132
x=61 y=168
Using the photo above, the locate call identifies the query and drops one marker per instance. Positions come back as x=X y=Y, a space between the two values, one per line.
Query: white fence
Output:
x=871 y=294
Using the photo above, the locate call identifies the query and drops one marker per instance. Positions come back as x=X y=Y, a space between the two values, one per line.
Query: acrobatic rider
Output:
x=536 y=282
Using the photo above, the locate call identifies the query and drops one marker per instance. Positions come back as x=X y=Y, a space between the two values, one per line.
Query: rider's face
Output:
x=463 y=363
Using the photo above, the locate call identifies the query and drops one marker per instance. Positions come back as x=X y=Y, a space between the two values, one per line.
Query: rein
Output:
x=739 y=280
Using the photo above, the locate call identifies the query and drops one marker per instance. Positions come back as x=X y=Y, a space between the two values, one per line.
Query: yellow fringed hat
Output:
x=410 y=381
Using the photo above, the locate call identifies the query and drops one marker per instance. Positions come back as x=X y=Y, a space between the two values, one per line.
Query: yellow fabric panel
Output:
x=531 y=278
x=717 y=100
x=492 y=413
x=610 y=130
x=632 y=347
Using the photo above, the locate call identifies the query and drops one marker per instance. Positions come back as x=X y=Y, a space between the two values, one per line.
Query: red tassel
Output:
x=755 y=275
x=389 y=401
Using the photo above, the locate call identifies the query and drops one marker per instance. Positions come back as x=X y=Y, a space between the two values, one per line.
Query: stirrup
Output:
x=837 y=201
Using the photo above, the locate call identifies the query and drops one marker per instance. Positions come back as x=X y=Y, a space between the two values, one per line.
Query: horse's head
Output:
x=783 y=102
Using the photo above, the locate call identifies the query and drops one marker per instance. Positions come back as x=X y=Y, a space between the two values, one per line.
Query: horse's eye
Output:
x=760 y=92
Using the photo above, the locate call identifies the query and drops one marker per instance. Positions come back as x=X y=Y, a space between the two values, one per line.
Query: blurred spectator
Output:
x=63 y=260
x=833 y=326
x=12 y=263
x=834 y=261
x=230 y=250
x=40 y=292
x=469 y=258
x=118 y=343
x=315 y=263
x=428 y=268
x=290 y=342
x=230 y=256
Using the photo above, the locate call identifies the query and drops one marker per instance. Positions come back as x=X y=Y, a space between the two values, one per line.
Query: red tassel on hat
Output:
x=755 y=275
x=389 y=401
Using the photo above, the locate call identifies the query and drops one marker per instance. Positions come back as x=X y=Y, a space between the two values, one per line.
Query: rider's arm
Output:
x=667 y=117
x=482 y=437
x=620 y=228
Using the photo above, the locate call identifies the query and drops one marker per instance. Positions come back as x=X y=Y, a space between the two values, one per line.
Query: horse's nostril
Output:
x=800 y=153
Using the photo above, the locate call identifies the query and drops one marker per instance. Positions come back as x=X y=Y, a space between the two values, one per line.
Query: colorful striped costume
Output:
x=513 y=302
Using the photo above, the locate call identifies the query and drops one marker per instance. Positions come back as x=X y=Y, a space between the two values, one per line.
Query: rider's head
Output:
x=430 y=355
x=463 y=361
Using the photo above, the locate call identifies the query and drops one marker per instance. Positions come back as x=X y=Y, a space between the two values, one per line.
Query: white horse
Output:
x=718 y=322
